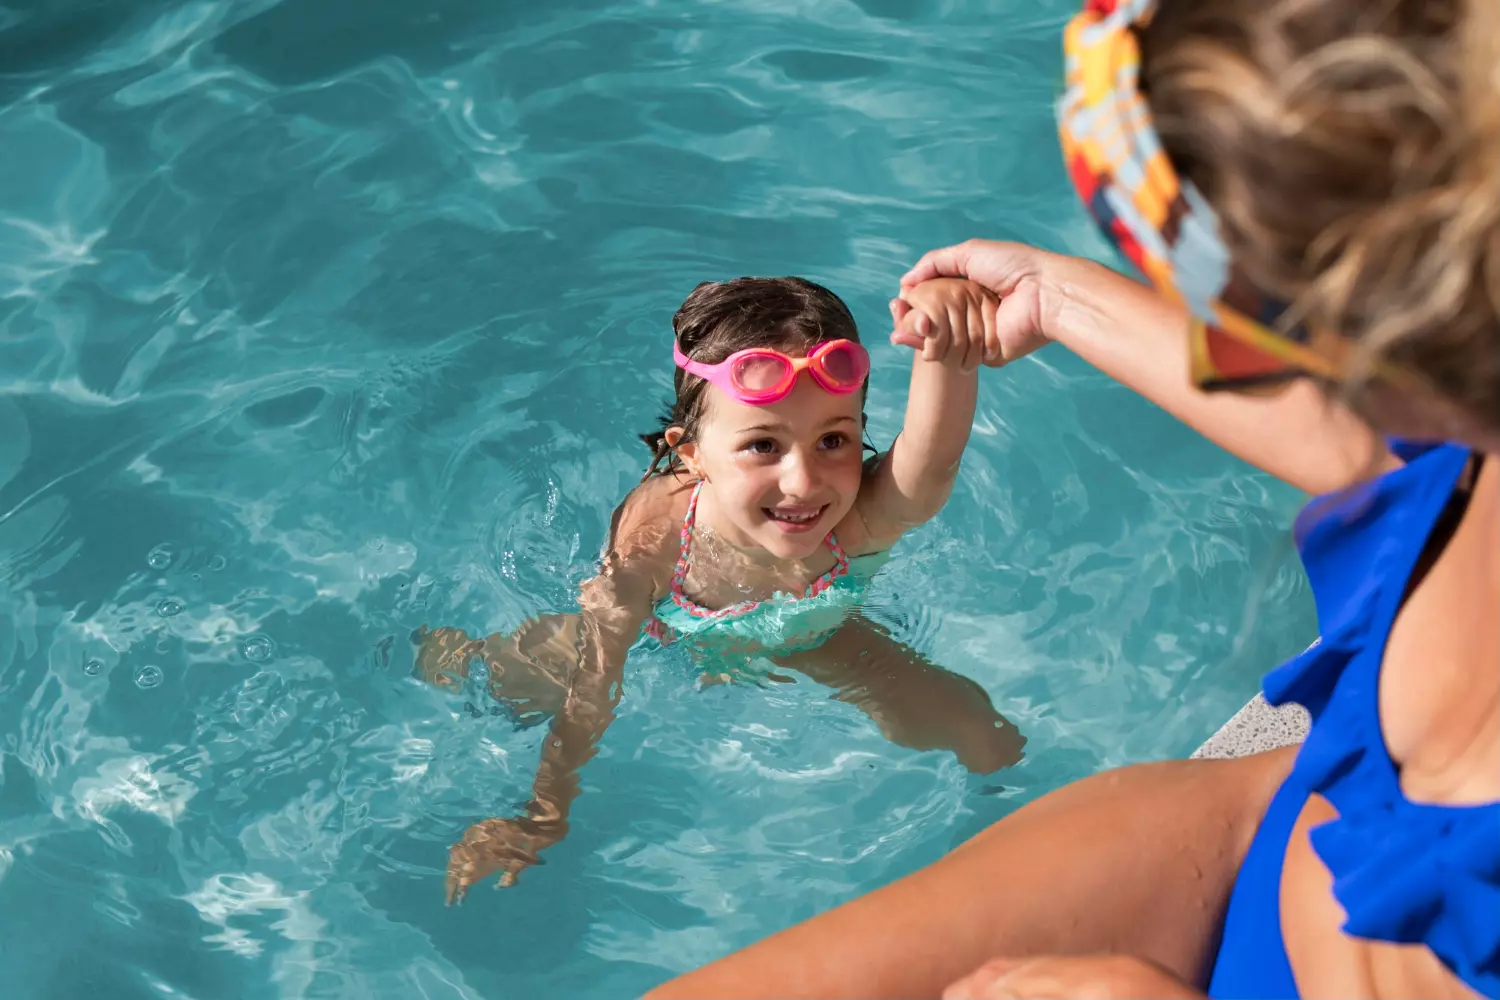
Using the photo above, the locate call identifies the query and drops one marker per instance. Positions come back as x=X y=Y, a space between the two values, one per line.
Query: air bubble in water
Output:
x=169 y=607
x=258 y=649
x=147 y=678
x=93 y=667
x=217 y=563
x=162 y=556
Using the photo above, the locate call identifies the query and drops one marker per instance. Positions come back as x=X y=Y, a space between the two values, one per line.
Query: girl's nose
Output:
x=797 y=479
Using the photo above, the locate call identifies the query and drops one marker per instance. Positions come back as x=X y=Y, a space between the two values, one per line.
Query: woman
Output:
x=1316 y=189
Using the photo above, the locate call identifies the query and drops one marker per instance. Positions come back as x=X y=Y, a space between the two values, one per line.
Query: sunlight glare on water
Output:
x=321 y=320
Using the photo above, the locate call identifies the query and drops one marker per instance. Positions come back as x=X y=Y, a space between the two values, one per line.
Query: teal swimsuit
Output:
x=785 y=623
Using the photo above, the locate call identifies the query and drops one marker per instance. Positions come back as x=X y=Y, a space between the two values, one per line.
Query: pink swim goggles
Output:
x=760 y=376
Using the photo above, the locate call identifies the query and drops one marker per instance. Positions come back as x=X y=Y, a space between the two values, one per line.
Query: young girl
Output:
x=751 y=542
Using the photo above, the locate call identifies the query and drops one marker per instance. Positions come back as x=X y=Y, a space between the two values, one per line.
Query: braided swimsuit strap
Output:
x=679 y=573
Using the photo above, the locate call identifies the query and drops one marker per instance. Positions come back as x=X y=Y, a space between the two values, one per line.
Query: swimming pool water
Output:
x=324 y=319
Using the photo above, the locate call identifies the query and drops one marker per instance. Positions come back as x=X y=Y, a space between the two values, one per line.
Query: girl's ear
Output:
x=686 y=450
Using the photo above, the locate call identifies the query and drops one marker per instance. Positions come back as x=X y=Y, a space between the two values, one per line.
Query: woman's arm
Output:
x=1296 y=433
x=955 y=321
x=1099 y=977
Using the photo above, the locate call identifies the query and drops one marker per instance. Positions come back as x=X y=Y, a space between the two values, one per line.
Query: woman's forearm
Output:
x=1296 y=433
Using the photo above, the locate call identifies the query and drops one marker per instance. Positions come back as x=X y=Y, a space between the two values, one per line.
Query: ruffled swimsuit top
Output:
x=1404 y=872
x=784 y=623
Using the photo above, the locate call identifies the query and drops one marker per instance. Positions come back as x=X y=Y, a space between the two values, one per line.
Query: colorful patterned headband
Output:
x=1161 y=222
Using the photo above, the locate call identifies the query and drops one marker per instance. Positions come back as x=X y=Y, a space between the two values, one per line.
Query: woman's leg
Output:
x=1137 y=861
x=914 y=702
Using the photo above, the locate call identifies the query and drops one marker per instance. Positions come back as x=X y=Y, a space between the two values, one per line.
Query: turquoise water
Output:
x=321 y=320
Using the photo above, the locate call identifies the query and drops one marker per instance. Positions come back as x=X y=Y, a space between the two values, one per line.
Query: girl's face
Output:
x=782 y=476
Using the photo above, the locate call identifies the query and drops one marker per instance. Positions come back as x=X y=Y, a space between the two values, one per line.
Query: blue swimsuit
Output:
x=1404 y=872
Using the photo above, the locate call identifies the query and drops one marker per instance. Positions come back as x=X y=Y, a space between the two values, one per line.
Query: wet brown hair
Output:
x=1352 y=151
x=721 y=317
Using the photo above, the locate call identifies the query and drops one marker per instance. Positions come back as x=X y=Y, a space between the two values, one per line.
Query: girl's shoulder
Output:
x=646 y=529
x=854 y=535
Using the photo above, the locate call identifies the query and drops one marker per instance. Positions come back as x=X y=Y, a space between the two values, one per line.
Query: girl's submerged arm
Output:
x=614 y=604
x=910 y=484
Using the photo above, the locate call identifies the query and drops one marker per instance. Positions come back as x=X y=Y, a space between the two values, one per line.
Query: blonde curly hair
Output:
x=1352 y=149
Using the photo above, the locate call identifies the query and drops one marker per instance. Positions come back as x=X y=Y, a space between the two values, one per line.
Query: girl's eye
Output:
x=764 y=446
x=832 y=441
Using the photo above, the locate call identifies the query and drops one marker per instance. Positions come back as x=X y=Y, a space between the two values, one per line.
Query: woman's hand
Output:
x=507 y=846
x=1064 y=977
x=954 y=321
x=1018 y=275
x=1139 y=338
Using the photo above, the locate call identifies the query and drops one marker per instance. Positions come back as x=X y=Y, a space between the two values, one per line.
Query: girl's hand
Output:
x=1055 y=977
x=1022 y=278
x=507 y=846
x=951 y=321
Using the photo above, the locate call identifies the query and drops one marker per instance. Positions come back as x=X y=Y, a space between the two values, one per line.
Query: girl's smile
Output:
x=780 y=477
x=795 y=520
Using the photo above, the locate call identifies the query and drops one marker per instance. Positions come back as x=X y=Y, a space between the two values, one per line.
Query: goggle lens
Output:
x=845 y=366
x=758 y=373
